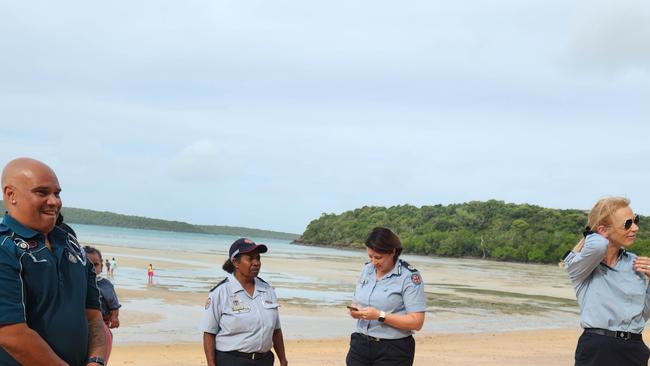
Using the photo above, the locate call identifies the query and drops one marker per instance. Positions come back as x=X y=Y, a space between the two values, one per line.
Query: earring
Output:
x=13 y=201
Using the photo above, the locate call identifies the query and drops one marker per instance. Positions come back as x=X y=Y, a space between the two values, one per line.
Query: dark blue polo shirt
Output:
x=48 y=290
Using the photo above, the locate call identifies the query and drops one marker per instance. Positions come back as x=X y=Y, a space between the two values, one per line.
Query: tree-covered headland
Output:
x=104 y=218
x=492 y=229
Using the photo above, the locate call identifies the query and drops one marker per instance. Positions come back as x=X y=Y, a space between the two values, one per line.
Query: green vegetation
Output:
x=90 y=217
x=492 y=229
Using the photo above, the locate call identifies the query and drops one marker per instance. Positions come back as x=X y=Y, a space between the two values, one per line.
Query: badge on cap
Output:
x=416 y=278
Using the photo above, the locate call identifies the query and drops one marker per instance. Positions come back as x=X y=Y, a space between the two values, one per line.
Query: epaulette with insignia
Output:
x=219 y=284
x=408 y=266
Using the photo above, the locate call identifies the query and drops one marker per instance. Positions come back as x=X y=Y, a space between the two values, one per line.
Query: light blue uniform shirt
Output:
x=400 y=291
x=240 y=321
x=610 y=298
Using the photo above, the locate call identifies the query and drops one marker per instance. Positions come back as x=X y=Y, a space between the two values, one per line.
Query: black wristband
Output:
x=96 y=359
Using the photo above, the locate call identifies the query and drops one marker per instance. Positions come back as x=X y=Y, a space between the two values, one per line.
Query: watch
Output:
x=96 y=359
x=382 y=316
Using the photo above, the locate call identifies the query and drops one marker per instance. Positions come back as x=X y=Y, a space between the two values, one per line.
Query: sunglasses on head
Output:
x=628 y=223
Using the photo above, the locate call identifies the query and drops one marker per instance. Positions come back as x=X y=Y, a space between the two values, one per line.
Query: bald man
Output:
x=49 y=301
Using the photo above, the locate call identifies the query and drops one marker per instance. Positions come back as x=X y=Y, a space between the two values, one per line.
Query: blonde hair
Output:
x=601 y=214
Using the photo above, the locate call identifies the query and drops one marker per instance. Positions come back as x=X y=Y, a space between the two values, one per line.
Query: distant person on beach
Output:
x=388 y=304
x=110 y=305
x=611 y=285
x=150 y=273
x=108 y=267
x=241 y=320
x=49 y=307
x=113 y=266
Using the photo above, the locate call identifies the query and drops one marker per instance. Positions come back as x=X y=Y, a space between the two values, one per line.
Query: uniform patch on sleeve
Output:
x=208 y=302
x=416 y=278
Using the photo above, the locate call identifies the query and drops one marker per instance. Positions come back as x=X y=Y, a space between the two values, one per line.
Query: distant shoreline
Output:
x=492 y=260
x=110 y=219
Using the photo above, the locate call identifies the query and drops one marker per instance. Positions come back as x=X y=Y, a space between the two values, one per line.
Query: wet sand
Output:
x=480 y=312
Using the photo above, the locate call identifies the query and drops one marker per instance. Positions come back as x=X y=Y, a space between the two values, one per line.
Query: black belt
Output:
x=375 y=339
x=250 y=356
x=615 y=334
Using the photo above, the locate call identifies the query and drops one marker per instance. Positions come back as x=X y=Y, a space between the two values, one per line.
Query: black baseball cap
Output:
x=243 y=245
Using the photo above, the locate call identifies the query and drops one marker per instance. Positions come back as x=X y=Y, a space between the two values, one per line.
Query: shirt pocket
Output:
x=392 y=298
x=40 y=278
x=270 y=313
x=238 y=321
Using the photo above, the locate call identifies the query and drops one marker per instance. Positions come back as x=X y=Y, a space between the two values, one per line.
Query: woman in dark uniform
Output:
x=241 y=320
x=388 y=305
x=109 y=303
x=611 y=285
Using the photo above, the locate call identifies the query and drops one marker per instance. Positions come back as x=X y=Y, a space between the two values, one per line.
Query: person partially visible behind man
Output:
x=49 y=307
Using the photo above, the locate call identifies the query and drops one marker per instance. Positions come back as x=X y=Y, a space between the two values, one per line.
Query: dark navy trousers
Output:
x=597 y=350
x=386 y=352
x=228 y=359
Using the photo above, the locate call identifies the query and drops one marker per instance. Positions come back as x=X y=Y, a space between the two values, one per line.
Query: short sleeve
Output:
x=413 y=293
x=109 y=295
x=211 y=313
x=92 y=292
x=12 y=309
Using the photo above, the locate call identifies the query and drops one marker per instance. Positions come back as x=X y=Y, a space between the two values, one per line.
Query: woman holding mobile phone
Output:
x=611 y=286
x=388 y=304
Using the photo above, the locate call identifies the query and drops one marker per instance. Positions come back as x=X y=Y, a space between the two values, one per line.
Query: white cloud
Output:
x=611 y=37
x=201 y=160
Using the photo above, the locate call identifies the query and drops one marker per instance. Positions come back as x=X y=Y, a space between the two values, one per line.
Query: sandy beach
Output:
x=479 y=312
x=548 y=348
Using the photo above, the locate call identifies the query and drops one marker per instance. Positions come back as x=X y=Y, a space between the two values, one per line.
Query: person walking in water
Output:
x=150 y=273
x=113 y=265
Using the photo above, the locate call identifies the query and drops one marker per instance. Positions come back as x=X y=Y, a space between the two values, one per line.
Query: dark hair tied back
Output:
x=229 y=266
x=587 y=232
x=383 y=240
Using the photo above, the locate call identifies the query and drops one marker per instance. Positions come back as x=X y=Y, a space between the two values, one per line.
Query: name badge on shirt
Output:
x=238 y=307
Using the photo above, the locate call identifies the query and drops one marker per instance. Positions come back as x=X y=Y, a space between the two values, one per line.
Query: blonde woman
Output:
x=611 y=286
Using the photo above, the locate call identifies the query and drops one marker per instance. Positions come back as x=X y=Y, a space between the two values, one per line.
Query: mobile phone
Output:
x=352 y=308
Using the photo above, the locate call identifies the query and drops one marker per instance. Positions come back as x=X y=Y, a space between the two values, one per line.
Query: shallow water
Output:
x=463 y=295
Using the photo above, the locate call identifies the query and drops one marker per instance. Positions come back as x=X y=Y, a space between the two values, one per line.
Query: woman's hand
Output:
x=356 y=314
x=368 y=313
x=642 y=264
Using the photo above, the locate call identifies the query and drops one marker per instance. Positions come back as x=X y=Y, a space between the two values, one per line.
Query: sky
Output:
x=267 y=114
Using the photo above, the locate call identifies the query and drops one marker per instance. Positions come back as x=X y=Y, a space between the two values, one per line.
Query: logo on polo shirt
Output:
x=72 y=258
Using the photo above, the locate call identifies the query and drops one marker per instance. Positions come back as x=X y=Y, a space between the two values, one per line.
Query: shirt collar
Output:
x=18 y=228
x=237 y=287
x=397 y=269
